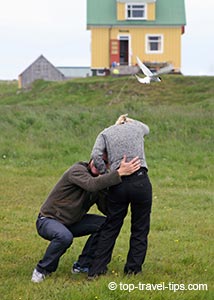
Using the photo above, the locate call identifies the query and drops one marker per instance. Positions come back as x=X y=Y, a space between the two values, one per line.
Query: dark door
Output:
x=124 y=52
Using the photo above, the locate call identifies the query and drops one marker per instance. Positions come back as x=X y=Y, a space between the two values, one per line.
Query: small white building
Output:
x=74 y=72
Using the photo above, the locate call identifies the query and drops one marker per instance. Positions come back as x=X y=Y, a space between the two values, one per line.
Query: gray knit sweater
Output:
x=119 y=140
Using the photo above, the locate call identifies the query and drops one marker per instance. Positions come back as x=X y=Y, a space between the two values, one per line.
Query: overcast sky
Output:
x=57 y=29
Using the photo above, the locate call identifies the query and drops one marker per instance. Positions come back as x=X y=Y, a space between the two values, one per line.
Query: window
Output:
x=154 y=44
x=136 y=11
x=37 y=67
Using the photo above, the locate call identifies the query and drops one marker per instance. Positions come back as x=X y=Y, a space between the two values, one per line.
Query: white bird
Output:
x=149 y=75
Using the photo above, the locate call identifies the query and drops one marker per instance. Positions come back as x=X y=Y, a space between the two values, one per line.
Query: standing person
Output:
x=63 y=215
x=125 y=137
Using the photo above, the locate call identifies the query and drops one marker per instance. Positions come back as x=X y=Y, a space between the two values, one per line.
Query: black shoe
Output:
x=76 y=269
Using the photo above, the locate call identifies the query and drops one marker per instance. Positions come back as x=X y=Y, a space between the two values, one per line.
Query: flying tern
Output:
x=149 y=75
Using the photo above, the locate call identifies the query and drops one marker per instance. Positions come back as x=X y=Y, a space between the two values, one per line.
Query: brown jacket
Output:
x=75 y=192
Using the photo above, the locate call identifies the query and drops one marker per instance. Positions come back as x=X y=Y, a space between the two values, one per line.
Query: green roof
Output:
x=104 y=13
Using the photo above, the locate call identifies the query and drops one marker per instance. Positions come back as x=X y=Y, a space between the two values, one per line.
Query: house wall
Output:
x=171 y=45
x=151 y=11
x=120 y=11
x=19 y=81
x=75 y=72
x=100 y=45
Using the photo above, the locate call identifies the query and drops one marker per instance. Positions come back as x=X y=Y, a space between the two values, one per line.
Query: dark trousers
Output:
x=135 y=190
x=61 y=238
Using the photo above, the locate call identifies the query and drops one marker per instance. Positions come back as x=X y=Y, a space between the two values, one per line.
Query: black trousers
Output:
x=61 y=238
x=136 y=191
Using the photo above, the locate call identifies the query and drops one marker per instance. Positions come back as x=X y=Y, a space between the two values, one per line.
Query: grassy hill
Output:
x=50 y=126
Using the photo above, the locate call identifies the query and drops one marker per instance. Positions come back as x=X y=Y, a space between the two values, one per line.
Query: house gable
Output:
x=41 y=68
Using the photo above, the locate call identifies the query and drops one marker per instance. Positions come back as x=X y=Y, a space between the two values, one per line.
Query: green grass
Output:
x=50 y=126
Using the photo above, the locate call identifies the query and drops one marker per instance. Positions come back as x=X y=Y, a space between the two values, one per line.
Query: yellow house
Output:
x=124 y=29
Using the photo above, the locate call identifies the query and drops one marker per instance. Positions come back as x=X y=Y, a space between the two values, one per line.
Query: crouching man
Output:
x=63 y=216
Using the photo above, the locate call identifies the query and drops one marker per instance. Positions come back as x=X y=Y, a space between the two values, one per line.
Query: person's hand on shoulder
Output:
x=127 y=168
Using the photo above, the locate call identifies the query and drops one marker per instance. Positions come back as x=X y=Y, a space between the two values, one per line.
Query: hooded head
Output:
x=93 y=168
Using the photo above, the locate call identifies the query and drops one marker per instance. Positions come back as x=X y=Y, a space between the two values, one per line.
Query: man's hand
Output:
x=127 y=168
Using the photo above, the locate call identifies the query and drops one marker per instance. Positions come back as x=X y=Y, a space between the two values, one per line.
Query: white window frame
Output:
x=132 y=9
x=147 y=43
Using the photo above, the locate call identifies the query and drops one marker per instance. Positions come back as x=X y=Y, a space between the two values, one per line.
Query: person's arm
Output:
x=80 y=175
x=97 y=154
x=145 y=127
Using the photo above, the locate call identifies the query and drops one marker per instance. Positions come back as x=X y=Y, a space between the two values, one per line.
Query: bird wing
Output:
x=138 y=78
x=164 y=70
x=144 y=69
x=145 y=80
